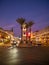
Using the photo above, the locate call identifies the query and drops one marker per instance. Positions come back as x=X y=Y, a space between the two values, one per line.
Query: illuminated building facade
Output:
x=5 y=35
x=42 y=36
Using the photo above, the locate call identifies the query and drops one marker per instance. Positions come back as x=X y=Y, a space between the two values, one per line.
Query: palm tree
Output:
x=30 y=25
x=21 y=21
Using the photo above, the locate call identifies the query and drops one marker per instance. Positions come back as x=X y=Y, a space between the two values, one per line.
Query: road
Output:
x=24 y=56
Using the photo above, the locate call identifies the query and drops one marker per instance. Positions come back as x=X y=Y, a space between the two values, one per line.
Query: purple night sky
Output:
x=37 y=10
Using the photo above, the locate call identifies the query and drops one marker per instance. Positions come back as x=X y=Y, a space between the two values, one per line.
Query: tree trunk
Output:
x=21 y=33
x=30 y=35
x=26 y=34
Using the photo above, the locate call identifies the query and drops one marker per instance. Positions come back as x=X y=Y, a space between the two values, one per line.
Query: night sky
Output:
x=37 y=10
